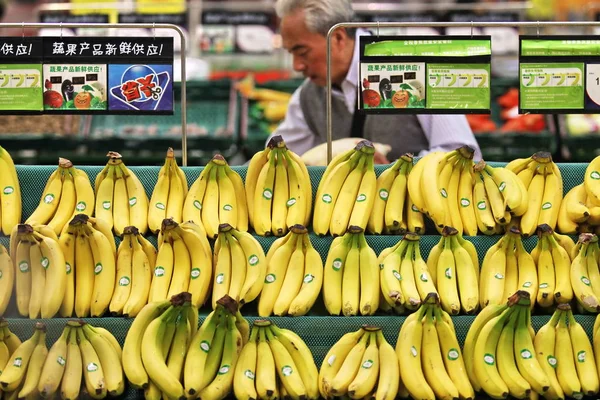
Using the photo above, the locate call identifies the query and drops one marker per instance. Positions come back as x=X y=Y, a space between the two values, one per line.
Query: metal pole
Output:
x=145 y=26
x=537 y=24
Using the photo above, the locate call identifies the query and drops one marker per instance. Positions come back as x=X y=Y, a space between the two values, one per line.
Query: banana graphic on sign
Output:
x=563 y=77
x=452 y=80
x=36 y=79
x=531 y=80
x=469 y=80
x=5 y=79
x=483 y=80
x=21 y=79
x=546 y=79
x=438 y=79
x=577 y=78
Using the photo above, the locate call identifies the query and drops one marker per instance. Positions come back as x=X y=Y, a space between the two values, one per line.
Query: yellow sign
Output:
x=83 y=7
x=160 y=6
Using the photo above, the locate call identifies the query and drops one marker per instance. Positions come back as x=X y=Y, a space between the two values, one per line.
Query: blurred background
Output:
x=228 y=42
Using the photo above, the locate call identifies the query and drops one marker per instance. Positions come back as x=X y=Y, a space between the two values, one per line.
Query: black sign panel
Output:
x=237 y=18
x=65 y=18
x=175 y=19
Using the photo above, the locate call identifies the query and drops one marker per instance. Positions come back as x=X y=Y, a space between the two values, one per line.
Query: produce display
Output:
x=10 y=194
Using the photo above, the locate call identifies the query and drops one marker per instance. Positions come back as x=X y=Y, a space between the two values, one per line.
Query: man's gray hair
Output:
x=320 y=15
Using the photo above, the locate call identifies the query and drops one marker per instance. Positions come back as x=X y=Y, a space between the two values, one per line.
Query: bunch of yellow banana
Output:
x=361 y=365
x=84 y=358
x=553 y=269
x=346 y=192
x=247 y=88
x=121 y=199
x=214 y=350
x=578 y=212
x=567 y=356
x=278 y=190
x=68 y=191
x=217 y=197
x=184 y=263
x=498 y=196
x=136 y=259
x=9 y=342
x=592 y=188
x=454 y=270
x=499 y=351
x=40 y=270
x=168 y=194
x=431 y=363
x=10 y=194
x=294 y=275
x=585 y=275
x=351 y=279
x=404 y=276
x=240 y=266
x=393 y=209
x=441 y=186
x=507 y=268
x=275 y=360
x=21 y=369
x=544 y=184
x=7 y=279
x=89 y=251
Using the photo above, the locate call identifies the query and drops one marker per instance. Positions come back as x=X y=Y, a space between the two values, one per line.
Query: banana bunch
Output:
x=431 y=363
x=585 y=274
x=7 y=279
x=499 y=351
x=184 y=263
x=544 y=184
x=404 y=276
x=393 y=209
x=351 y=282
x=441 y=186
x=136 y=260
x=553 y=267
x=168 y=194
x=9 y=342
x=21 y=369
x=89 y=251
x=578 y=212
x=121 y=199
x=217 y=197
x=83 y=359
x=240 y=266
x=10 y=194
x=40 y=270
x=498 y=196
x=454 y=270
x=214 y=350
x=565 y=353
x=68 y=191
x=507 y=268
x=275 y=360
x=361 y=365
x=278 y=190
x=294 y=275
x=590 y=182
x=346 y=192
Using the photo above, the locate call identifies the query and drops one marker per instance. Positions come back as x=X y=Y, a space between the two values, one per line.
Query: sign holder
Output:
x=182 y=56
x=376 y=25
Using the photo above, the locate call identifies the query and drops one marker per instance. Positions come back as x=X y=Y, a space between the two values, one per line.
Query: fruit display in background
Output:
x=10 y=194
x=499 y=351
x=68 y=191
x=136 y=260
x=393 y=209
x=275 y=360
x=431 y=363
x=184 y=263
x=240 y=266
x=294 y=275
x=360 y=364
x=40 y=270
x=120 y=196
x=454 y=268
x=441 y=186
x=585 y=275
x=168 y=194
x=89 y=251
x=351 y=282
x=544 y=184
x=507 y=268
x=346 y=191
x=7 y=279
x=404 y=276
x=21 y=369
x=217 y=197
x=278 y=190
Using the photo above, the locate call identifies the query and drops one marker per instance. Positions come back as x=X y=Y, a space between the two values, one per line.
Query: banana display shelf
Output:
x=319 y=330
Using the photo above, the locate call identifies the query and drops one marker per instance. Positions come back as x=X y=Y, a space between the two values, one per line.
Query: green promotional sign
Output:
x=562 y=47
x=21 y=87
x=430 y=47
x=552 y=86
x=458 y=86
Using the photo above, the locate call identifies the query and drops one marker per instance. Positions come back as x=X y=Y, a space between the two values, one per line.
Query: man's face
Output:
x=309 y=50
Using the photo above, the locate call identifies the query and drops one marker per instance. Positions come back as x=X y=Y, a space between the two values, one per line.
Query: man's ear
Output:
x=340 y=37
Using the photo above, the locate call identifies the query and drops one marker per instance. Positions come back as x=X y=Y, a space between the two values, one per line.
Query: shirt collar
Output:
x=352 y=76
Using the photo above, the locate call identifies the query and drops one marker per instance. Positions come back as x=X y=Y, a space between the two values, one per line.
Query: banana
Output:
x=34 y=369
x=563 y=291
x=447 y=280
x=528 y=365
x=366 y=378
x=157 y=210
x=223 y=266
x=465 y=200
x=363 y=206
x=16 y=367
x=390 y=277
x=106 y=230
x=580 y=279
x=583 y=354
x=180 y=281
x=161 y=276
x=48 y=202
x=179 y=345
x=408 y=279
x=468 y=280
x=535 y=191
x=38 y=279
x=346 y=199
x=423 y=279
x=84 y=275
x=493 y=271
x=10 y=194
x=300 y=193
x=287 y=369
x=415 y=177
x=7 y=279
x=339 y=384
x=369 y=277
x=124 y=276
x=66 y=206
x=592 y=175
x=566 y=371
x=351 y=279
x=85 y=197
x=22 y=271
x=312 y=281
x=67 y=245
x=104 y=271
x=389 y=377
x=228 y=207
x=10 y=339
x=334 y=360
x=545 y=295
x=385 y=183
x=544 y=343
x=430 y=184
x=192 y=206
x=257 y=162
x=104 y=197
x=263 y=197
x=256 y=266
x=93 y=372
x=73 y=370
x=120 y=203
x=241 y=200
x=210 y=205
x=201 y=264
x=483 y=213
x=294 y=276
x=245 y=370
x=276 y=272
x=517 y=385
x=280 y=195
x=237 y=279
x=113 y=376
